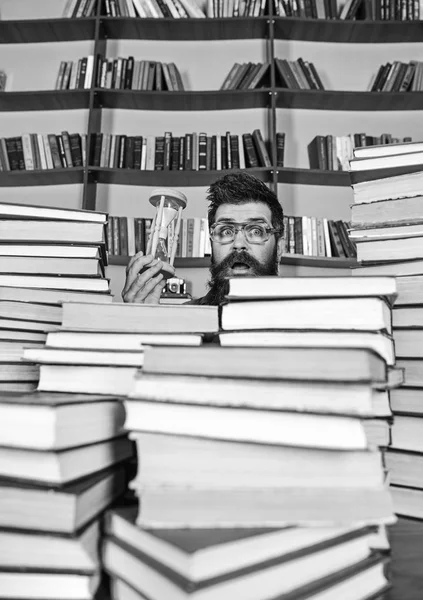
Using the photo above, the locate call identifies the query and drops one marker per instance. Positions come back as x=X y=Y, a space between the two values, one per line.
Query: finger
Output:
x=140 y=281
x=134 y=257
x=136 y=265
x=143 y=293
x=155 y=294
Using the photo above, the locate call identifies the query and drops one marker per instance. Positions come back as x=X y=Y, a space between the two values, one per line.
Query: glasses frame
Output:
x=241 y=227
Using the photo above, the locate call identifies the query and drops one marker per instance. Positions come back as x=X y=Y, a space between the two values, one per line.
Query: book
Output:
x=23 y=550
x=365 y=314
x=141 y=318
x=200 y=554
x=56 y=282
x=182 y=461
x=381 y=344
x=408 y=342
x=149 y=577
x=46 y=231
x=85 y=356
x=245 y=288
x=368 y=576
x=406 y=400
x=407 y=316
x=65 y=509
x=103 y=340
x=29 y=585
x=387 y=184
x=406 y=433
x=58 y=468
x=248 y=425
x=181 y=507
x=50 y=251
x=41 y=265
x=405 y=466
x=28 y=311
x=63 y=420
x=51 y=296
x=384 y=212
x=77 y=379
x=390 y=249
x=312 y=364
x=314 y=397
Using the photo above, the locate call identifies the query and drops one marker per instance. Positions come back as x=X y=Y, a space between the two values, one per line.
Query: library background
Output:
x=101 y=102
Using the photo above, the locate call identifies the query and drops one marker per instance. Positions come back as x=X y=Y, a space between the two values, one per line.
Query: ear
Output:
x=280 y=245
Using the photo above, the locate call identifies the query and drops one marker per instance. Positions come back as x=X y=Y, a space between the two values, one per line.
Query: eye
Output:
x=226 y=231
x=257 y=231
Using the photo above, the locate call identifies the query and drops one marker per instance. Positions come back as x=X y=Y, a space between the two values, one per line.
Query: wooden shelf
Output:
x=47 y=177
x=46 y=30
x=165 y=178
x=238 y=28
x=313 y=177
x=44 y=100
x=351 y=31
x=287 y=259
x=348 y=100
x=187 y=100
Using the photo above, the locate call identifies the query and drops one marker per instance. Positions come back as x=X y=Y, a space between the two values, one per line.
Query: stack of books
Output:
x=387 y=226
x=47 y=256
x=63 y=461
x=255 y=476
x=100 y=347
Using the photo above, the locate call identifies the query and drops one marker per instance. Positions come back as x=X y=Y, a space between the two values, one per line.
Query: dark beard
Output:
x=219 y=272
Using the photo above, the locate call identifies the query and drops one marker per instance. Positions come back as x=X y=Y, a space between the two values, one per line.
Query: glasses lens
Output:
x=256 y=234
x=224 y=234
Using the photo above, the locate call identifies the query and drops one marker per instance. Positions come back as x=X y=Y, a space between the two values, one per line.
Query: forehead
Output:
x=244 y=212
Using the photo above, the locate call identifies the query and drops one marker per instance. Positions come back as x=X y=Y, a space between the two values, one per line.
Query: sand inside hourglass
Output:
x=168 y=215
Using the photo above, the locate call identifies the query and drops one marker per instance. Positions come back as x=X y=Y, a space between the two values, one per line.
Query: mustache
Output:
x=238 y=256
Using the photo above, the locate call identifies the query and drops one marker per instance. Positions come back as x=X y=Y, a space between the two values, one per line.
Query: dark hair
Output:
x=240 y=188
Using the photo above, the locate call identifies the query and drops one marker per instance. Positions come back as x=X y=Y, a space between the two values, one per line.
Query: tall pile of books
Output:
x=255 y=477
x=71 y=463
x=62 y=463
x=47 y=256
x=387 y=217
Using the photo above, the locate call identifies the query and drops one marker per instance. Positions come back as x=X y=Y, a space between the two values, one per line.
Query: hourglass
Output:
x=161 y=244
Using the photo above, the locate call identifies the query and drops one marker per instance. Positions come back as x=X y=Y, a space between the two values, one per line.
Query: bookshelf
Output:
x=346 y=53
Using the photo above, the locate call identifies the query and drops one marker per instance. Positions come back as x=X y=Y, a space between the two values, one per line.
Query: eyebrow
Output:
x=251 y=220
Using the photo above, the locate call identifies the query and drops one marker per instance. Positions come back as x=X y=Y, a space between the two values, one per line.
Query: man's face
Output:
x=240 y=258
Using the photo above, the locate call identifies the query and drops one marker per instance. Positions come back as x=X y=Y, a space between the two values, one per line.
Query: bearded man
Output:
x=246 y=232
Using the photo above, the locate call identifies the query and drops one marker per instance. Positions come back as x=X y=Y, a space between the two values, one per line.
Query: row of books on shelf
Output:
x=129 y=235
x=314 y=236
x=396 y=10
x=189 y=152
x=374 y=10
x=120 y=73
x=77 y=9
x=192 y=151
x=307 y=236
x=397 y=76
x=181 y=9
x=40 y=151
x=298 y=74
x=333 y=152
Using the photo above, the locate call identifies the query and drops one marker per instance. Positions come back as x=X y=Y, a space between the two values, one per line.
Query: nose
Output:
x=240 y=241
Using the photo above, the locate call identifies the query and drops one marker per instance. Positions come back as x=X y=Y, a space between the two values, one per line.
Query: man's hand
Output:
x=144 y=282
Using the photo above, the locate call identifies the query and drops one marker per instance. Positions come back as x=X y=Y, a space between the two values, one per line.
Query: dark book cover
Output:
x=335 y=241
x=137 y=151
x=228 y=150
x=19 y=153
x=329 y=152
x=66 y=145
x=223 y=153
x=98 y=65
x=129 y=73
x=175 y=153
x=251 y=157
x=213 y=165
x=182 y=153
x=96 y=148
x=12 y=153
x=55 y=152
x=208 y=152
x=129 y=154
x=317 y=153
x=151 y=75
x=234 y=142
x=159 y=153
x=167 y=150
x=82 y=73
x=115 y=84
x=62 y=153
x=264 y=158
x=35 y=151
x=310 y=66
x=158 y=83
x=202 y=151
x=188 y=152
x=298 y=235
x=123 y=236
x=140 y=244
x=307 y=74
x=280 y=149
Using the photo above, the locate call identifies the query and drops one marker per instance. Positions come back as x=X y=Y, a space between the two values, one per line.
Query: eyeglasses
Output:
x=255 y=233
